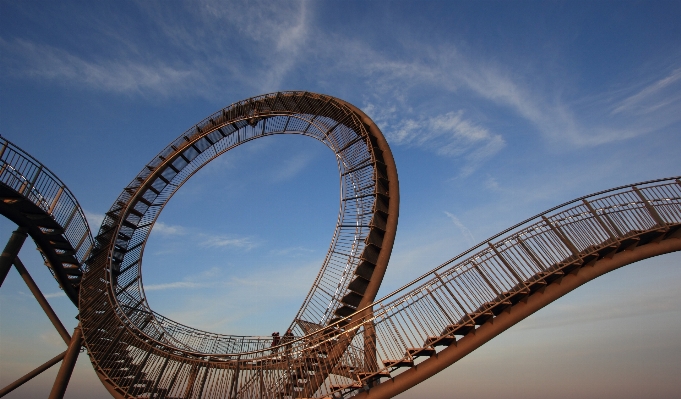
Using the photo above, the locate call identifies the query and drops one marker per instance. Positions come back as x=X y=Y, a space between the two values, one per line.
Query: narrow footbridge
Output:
x=345 y=343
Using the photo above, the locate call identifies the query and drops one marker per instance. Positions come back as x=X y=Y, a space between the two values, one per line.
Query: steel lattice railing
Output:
x=434 y=311
x=114 y=306
x=343 y=344
x=35 y=183
x=463 y=293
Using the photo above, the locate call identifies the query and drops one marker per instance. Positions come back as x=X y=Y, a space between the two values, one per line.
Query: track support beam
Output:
x=42 y=301
x=66 y=369
x=518 y=312
x=26 y=378
x=14 y=244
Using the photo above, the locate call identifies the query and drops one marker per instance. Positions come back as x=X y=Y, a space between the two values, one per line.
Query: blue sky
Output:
x=495 y=111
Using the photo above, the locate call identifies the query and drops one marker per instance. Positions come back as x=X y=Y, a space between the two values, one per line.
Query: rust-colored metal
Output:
x=64 y=375
x=31 y=374
x=342 y=343
x=41 y=205
x=14 y=244
x=515 y=314
x=345 y=343
x=359 y=252
x=33 y=287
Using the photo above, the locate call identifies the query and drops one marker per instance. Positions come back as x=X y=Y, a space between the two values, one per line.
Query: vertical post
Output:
x=598 y=219
x=4 y=147
x=55 y=200
x=562 y=237
x=67 y=365
x=651 y=209
x=510 y=268
x=35 y=177
x=370 y=343
x=11 y=251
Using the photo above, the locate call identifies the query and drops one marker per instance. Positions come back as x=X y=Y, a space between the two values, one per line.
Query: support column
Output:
x=67 y=365
x=21 y=381
x=42 y=301
x=11 y=251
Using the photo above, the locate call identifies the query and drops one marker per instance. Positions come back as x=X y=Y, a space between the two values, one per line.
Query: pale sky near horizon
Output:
x=495 y=111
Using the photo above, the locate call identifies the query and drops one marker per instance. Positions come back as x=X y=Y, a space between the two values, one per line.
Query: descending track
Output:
x=41 y=205
x=346 y=344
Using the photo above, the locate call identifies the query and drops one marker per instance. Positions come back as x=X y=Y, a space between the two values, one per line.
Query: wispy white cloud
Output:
x=291 y=167
x=210 y=241
x=448 y=73
x=665 y=92
x=293 y=251
x=205 y=279
x=94 y=220
x=283 y=38
x=492 y=184
x=168 y=230
x=197 y=55
x=449 y=134
x=55 y=295
x=174 y=238
x=174 y=285
x=274 y=34
x=250 y=303
x=464 y=230
x=41 y=61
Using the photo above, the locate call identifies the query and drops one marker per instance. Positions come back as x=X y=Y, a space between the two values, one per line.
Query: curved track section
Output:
x=139 y=352
x=34 y=198
x=346 y=344
x=444 y=315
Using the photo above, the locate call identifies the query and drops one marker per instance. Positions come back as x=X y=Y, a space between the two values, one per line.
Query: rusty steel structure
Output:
x=45 y=209
x=346 y=343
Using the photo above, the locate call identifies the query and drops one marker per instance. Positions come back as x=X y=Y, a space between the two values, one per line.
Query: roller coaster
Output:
x=344 y=342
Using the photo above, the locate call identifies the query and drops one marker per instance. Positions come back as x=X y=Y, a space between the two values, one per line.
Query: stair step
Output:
x=498 y=307
x=373 y=374
x=354 y=385
x=458 y=329
x=550 y=277
x=416 y=352
x=398 y=363
x=442 y=340
x=517 y=296
x=479 y=318
x=536 y=285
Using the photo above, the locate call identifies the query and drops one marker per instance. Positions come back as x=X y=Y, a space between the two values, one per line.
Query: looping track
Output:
x=113 y=307
x=346 y=344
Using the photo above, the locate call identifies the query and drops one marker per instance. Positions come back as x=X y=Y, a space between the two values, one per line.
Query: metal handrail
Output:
x=454 y=299
x=411 y=287
x=516 y=226
x=379 y=339
x=30 y=178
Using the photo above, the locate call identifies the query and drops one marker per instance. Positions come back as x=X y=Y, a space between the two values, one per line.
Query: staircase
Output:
x=346 y=343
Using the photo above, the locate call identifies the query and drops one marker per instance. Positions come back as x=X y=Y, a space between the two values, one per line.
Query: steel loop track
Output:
x=345 y=343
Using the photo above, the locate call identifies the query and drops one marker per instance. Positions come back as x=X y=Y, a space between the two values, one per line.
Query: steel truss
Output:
x=170 y=358
x=44 y=208
x=345 y=343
